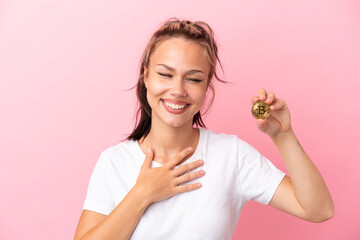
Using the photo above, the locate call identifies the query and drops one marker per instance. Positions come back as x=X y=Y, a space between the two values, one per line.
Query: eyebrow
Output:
x=173 y=69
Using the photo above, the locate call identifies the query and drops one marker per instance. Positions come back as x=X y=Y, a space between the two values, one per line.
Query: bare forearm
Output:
x=309 y=186
x=122 y=221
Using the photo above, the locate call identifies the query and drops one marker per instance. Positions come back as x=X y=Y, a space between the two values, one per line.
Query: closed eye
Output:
x=165 y=75
x=191 y=79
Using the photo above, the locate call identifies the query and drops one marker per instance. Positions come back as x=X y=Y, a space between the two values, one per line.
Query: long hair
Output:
x=174 y=27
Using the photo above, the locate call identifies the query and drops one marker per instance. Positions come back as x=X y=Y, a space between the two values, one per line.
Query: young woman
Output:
x=171 y=180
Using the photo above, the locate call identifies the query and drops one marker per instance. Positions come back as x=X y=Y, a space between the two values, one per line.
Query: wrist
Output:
x=140 y=195
x=283 y=136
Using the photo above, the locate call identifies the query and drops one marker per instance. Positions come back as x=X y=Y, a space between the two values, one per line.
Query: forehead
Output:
x=181 y=54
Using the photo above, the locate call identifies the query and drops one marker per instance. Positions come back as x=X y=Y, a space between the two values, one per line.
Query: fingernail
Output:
x=201 y=161
x=189 y=149
x=262 y=96
x=149 y=150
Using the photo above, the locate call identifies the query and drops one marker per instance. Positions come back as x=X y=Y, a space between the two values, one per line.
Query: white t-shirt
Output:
x=235 y=173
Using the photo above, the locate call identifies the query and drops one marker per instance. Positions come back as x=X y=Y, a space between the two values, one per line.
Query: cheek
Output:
x=199 y=95
x=154 y=89
x=200 y=92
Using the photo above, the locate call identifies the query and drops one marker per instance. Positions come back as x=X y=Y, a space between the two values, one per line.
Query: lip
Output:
x=175 y=111
x=178 y=102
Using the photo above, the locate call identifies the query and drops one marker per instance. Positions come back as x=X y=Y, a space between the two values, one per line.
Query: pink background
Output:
x=65 y=67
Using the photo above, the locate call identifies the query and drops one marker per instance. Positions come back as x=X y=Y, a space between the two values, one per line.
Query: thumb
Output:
x=149 y=158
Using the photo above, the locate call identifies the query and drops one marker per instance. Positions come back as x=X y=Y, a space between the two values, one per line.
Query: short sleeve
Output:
x=258 y=177
x=98 y=197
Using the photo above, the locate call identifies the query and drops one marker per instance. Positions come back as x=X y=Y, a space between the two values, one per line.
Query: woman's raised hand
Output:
x=279 y=121
x=162 y=182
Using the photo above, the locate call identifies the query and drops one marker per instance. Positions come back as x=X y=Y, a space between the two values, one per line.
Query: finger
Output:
x=189 y=176
x=270 y=98
x=261 y=123
x=255 y=99
x=262 y=94
x=278 y=104
x=179 y=157
x=149 y=158
x=187 y=187
x=187 y=167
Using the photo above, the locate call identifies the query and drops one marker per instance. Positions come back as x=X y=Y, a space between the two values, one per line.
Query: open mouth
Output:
x=175 y=108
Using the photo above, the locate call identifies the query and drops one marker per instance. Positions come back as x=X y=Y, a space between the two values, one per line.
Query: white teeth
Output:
x=174 y=106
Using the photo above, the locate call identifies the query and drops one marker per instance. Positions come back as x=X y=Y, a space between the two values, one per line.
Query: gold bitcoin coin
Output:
x=260 y=109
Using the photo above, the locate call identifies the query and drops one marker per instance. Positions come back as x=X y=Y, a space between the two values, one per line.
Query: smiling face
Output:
x=177 y=81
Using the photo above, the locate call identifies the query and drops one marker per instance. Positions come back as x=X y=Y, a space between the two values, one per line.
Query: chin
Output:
x=176 y=124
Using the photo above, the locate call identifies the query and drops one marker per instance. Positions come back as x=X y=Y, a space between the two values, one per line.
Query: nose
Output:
x=178 y=88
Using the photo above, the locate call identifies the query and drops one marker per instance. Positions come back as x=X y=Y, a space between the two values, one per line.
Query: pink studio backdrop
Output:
x=65 y=67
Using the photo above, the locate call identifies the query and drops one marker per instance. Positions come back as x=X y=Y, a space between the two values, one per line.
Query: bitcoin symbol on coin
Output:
x=260 y=109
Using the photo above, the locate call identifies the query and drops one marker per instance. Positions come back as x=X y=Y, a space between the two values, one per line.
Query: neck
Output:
x=167 y=141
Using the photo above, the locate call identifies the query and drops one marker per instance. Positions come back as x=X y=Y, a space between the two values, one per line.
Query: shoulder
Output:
x=224 y=138
x=118 y=151
x=126 y=145
x=216 y=136
x=228 y=142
